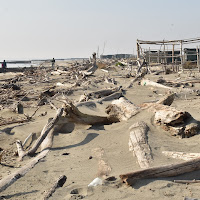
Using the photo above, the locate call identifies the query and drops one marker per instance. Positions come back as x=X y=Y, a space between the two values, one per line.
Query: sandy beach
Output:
x=83 y=152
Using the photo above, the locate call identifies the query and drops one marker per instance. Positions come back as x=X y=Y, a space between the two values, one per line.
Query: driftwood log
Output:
x=122 y=109
x=145 y=82
x=181 y=155
x=138 y=143
x=10 y=179
x=59 y=183
x=163 y=171
x=98 y=94
x=178 y=122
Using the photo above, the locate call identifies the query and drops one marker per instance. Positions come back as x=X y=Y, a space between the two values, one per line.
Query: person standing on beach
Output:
x=53 y=63
x=4 y=66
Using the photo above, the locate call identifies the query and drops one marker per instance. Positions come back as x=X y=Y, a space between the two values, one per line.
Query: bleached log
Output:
x=99 y=94
x=48 y=141
x=59 y=183
x=110 y=97
x=187 y=181
x=72 y=114
x=162 y=171
x=10 y=179
x=177 y=121
x=122 y=109
x=139 y=143
x=20 y=150
x=181 y=155
x=190 y=198
x=31 y=136
x=145 y=82
x=104 y=70
x=45 y=131
x=90 y=71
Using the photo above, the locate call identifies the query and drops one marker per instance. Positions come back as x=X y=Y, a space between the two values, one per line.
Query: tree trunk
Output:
x=122 y=109
x=163 y=171
x=139 y=143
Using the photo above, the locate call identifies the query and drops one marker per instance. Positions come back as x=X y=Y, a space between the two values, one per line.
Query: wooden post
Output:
x=173 y=57
x=181 y=54
x=158 y=58
x=173 y=54
x=164 y=58
x=149 y=56
x=198 y=59
x=138 y=50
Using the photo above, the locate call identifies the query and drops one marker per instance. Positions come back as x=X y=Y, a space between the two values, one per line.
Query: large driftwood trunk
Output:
x=163 y=171
x=72 y=114
x=138 y=142
x=122 y=109
x=178 y=122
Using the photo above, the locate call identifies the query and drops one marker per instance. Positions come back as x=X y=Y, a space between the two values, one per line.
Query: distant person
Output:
x=53 y=63
x=4 y=66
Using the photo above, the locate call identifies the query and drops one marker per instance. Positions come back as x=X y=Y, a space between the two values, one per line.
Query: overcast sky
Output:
x=37 y=29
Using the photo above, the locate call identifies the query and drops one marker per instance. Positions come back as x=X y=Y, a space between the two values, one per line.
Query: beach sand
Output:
x=85 y=152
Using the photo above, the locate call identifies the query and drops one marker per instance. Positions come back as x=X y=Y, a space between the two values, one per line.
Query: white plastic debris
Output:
x=95 y=182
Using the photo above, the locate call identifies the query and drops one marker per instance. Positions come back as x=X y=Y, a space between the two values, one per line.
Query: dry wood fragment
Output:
x=45 y=131
x=162 y=171
x=181 y=155
x=99 y=94
x=188 y=198
x=139 y=144
x=12 y=121
x=187 y=181
x=152 y=83
x=1 y=155
x=122 y=109
x=10 y=179
x=30 y=137
x=72 y=114
x=110 y=97
x=59 y=183
x=167 y=99
x=20 y=150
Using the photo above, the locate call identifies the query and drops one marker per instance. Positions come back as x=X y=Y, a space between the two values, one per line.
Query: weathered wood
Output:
x=59 y=183
x=145 y=82
x=139 y=143
x=98 y=94
x=187 y=181
x=20 y=150
x=122 y=109
x=1 y=155
x=188 y=198
x=110 y=97
x=162 y=171
x=167 y=99
x=72 y=114
x=10 y=179
x=181 y=155
x=45 y=131
x=176 y=121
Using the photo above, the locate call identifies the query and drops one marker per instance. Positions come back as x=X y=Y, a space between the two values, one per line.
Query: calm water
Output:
x=32 y=64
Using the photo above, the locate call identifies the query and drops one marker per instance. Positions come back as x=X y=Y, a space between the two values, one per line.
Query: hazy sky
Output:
x=75 y=28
